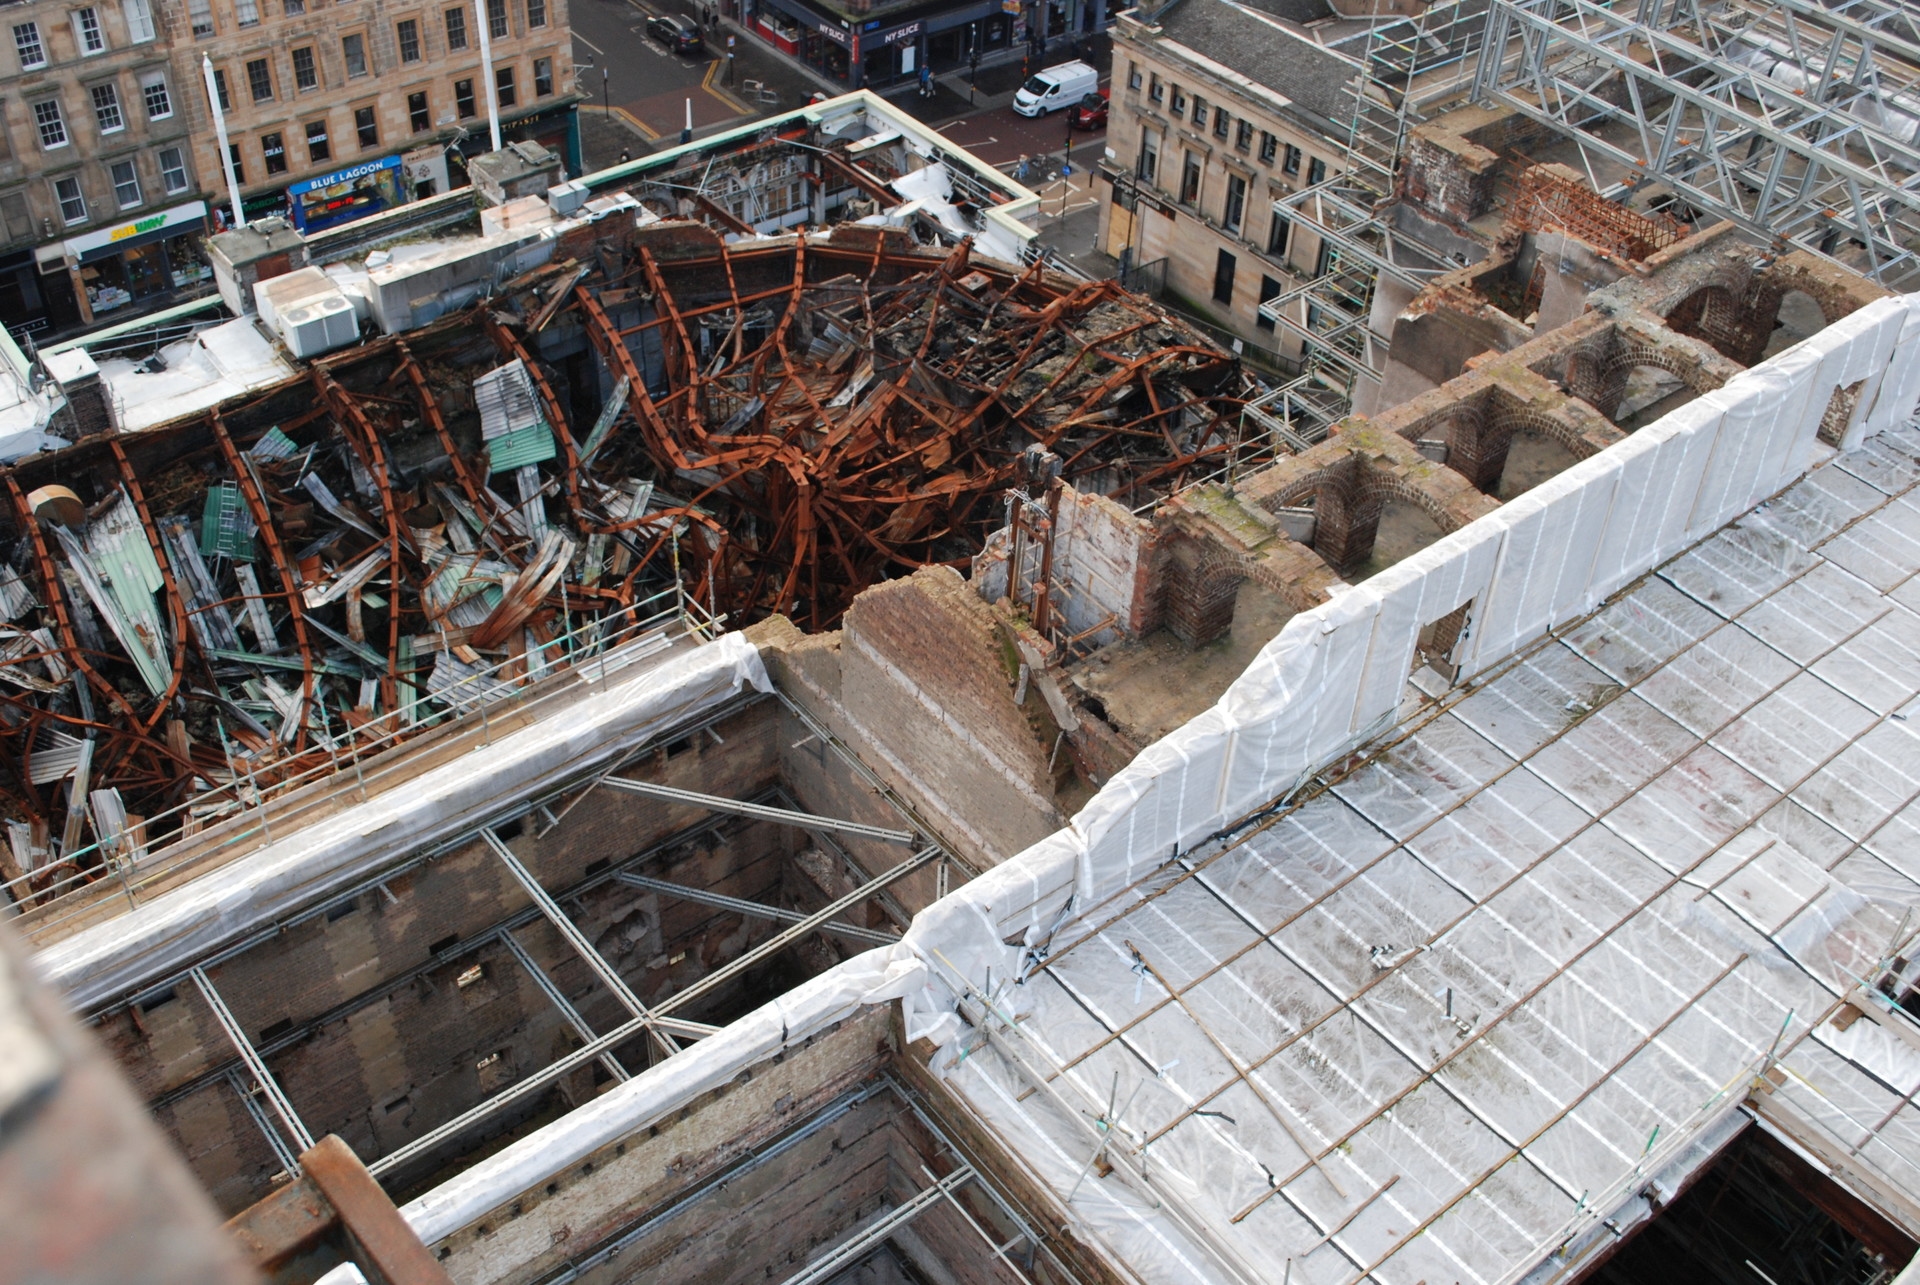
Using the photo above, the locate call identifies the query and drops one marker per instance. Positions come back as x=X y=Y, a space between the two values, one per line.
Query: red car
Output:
x=1091 y=111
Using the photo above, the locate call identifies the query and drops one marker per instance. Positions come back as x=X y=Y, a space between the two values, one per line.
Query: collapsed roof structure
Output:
x=1537 y=856
x=647 y=422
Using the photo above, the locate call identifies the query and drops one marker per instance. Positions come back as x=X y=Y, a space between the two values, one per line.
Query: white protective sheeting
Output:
x=1522 y=874
x=1333 y=677
x=159 y=937
x=873 y=978
x=1429 y=1020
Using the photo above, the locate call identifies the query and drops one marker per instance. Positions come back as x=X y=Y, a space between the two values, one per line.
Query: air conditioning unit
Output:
x=343 y=325
x=566 y=199
x=321 y=326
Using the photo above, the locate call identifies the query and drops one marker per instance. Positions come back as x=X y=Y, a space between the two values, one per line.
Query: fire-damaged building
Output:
x=732 y=720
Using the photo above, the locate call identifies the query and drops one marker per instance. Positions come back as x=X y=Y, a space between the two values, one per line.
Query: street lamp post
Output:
x=605 y=101
x=973 y=60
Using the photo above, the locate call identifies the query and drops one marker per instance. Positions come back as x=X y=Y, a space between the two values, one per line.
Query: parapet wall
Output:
x=1336 y=674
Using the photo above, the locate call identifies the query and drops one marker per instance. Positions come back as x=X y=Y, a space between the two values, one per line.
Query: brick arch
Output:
x=1735 y=320
x=1382 y=487
x=1199 y=594
x=1600 y=380
x=1346 y=511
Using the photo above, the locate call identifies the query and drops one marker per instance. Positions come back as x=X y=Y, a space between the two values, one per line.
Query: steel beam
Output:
x=752 y=909
x=538 y=1080
x=277 y=1143
x=760 y=812
x=820 y=918
x=559 y=1000
x=1801 y=166
x=876 y=1233
x=269 y=1087
x=592 y=958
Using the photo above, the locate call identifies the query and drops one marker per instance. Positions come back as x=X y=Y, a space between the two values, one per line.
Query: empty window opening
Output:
x=1438 y=641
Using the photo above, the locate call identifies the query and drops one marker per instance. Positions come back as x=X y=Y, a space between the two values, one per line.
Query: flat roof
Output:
x=1442 y=1016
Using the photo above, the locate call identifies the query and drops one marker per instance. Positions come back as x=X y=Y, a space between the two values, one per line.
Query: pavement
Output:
x=638 y=81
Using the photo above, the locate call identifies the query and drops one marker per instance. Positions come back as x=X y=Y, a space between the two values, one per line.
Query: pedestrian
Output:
x=926 y=81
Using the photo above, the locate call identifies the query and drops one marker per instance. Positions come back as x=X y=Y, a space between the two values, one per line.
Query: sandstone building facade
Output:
x=1202 y=144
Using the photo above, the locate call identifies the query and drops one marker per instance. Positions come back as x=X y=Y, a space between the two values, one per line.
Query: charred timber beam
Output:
x=57 y=599
x=430 y=407
x=374 y=457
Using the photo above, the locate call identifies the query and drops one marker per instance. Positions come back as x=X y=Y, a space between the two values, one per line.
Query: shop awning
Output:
x=91 y=247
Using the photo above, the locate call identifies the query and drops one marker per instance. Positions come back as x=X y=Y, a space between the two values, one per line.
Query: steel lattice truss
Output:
x=1794 y=119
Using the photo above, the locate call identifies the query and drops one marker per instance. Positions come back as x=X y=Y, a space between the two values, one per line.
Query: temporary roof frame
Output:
x=1677 y=92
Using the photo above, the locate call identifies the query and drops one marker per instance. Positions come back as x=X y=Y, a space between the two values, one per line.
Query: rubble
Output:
x=656 y=423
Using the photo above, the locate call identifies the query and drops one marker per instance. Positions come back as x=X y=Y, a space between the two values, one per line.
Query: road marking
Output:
x=727 y=99
x=637 y=123
x=589 y=44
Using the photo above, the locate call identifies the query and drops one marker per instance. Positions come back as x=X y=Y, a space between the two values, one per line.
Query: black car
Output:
x=681 y=35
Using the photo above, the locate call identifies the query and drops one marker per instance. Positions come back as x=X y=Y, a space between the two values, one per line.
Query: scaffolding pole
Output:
x=1793 y=120
x=560 y=1001
x=262 y=1077
x=752 y=909
x=760 y=812
x=876 y=1233
x=596 y=963
x=1404 y=66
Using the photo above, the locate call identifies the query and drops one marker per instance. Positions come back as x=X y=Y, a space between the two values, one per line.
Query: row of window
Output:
x=1224 y=266
x=354 y=55
x=124 y=176
x=366 y=122
x=1198 y=112
x=246 y=13
x=110 y=112
x=89 y=35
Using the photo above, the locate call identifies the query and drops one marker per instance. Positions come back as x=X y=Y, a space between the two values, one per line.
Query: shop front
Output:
x=893 y=55
x=879 y=52
x=140 y=262
x=345 y=195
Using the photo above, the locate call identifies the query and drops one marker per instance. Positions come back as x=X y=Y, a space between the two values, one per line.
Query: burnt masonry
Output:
x=656 y=425
x=1583 y=321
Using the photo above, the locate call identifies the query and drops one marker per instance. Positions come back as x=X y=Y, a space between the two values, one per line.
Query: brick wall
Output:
x=381 y=1044
x=919 y=683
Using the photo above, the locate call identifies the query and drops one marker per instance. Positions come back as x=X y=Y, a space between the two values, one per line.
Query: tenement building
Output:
x=338 y=111
x=1219 y=110
x=98 y=184
x=110 y=169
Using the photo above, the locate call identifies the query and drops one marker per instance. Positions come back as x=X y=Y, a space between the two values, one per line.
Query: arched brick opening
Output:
x=1199 y=591
x=1378 y=490
x=1346 y=512
x=1599 y=378
x=1794 y=315
x=1735 y=323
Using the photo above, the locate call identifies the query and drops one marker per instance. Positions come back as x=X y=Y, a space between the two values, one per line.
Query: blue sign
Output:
x=346 y=195
x=344 y=176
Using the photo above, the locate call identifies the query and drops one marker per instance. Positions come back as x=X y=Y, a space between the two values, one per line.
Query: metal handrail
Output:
x=356 y=746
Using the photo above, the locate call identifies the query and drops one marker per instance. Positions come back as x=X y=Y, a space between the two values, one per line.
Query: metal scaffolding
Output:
x=1796 y=120
x=273 y=1111
x=1405 y=66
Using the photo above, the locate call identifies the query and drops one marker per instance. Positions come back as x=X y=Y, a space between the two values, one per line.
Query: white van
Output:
x=1056 y=87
